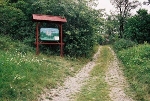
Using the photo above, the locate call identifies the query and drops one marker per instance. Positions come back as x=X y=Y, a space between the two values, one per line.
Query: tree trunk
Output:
x=121 y=27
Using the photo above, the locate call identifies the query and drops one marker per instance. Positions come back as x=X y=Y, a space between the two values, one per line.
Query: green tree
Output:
x=80 y=31
x=11 y=20
x=138 y=27
x=111 y=28
x=82 y=25
x=123 y=7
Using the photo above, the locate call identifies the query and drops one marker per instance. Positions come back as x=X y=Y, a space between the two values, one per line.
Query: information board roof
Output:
x=40 y=17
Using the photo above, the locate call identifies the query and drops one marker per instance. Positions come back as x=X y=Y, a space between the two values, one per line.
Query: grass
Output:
x=136 y=61
x=23 y=75
x=97 y=89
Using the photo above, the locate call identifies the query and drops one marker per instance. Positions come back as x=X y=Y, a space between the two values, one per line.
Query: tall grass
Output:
x=136 y=62
x=23 y=75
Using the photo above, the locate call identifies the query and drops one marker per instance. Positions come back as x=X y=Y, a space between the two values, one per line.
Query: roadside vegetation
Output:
x=23 y=75
x=97 y=89
x=132 y=48
x=136 y=62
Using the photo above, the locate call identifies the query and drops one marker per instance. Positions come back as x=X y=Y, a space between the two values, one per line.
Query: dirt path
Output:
x=116 y=81
x=72 y=85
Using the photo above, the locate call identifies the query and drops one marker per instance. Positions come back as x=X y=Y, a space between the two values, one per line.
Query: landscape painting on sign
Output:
x=51 y=34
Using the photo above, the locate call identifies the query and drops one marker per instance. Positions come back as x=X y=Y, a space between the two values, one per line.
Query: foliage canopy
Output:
x=138 y=27
x=80 y=31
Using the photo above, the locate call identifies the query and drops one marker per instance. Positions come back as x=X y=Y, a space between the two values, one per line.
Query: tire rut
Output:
x=72 y=85
x=116 y=81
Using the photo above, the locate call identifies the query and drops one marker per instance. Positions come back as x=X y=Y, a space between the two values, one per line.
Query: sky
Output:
x=105 y=4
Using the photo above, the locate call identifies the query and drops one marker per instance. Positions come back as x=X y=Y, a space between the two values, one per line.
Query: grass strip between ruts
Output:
x=97 y=89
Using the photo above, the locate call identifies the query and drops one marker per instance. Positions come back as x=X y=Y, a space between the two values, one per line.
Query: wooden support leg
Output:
x=61 y=41
x=37 y=38
x=61 y=50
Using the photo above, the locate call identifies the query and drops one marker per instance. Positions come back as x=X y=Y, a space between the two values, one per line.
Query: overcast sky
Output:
x=105 y=4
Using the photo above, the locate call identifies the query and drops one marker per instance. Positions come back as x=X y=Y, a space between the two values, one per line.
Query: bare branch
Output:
x=124 y=7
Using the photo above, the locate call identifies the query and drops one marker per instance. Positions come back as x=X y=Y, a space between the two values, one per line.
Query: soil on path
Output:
x=72 y=85
x=116 y=81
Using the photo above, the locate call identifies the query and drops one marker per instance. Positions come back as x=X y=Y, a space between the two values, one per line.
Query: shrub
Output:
x=138 y=27
x=123 y=44
x=100 y=39
x=11 y=20
x=79 y=32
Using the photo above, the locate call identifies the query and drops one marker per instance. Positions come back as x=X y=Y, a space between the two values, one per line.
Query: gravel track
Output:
x=72 y=85
x=116 y=81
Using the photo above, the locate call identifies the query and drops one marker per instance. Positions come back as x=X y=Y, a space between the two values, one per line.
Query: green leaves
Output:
x=136 y=61
x=138 y=27
x=123 y=44
x=10 y=19
x=80 y=31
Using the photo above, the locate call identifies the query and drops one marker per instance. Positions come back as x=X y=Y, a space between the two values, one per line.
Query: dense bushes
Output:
x=11 y=20
x=80 y=31
x=123 y=44
x=138 y=27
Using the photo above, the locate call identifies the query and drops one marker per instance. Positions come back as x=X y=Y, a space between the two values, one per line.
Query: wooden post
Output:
x=61 y=41
x=37 y=38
